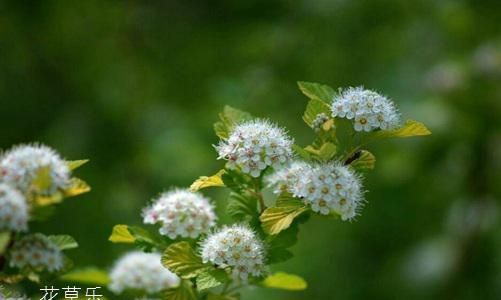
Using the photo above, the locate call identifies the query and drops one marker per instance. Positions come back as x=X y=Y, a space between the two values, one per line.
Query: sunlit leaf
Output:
x=77 y=186
x=277 y=218
x=74 y=164
x=43 y=180
x=364 y=160
x=184 y=291
x=301 y=152
x=317 y=91
x=88 y=275
x=181 y=259
x=4 y=241
x=284 y=281
x=410 y=128
x=211 y=278
x=55 y=198
x=208 y=181
x=64 y=241
x=121 y=234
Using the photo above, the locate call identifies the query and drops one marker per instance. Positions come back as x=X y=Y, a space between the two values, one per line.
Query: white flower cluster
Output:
x=13 y=209
x=286 y=179
x=329 y=188
x=255 y=145
x=368 y=109
x=319 y=120
x=236 y=247
x=20 y=166
x=182 y=213
x=141 y=271
x=36 y=251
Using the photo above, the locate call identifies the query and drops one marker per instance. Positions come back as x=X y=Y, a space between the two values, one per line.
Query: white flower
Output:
x=287 y=178
x=328 y=188
x=368 y=109
x=36 y=251
x=182 y=213
x=13 y=209
x=236 y=247
x=21 y=165
x=254 y=145
x=141 y=271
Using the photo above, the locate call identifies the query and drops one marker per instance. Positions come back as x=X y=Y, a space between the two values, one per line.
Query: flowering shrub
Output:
x=33 y=178
x=323 y=179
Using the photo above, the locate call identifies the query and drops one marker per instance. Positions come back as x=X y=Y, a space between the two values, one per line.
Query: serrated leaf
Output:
x=317 y=91
x=364 y=161
x=184 y=291
x=64 y=241
x=74 y=164
x=241 y=206
x=88 y=275
x=211 y=278
x=277 y=218
x=313 y=109
x=208 y=181
x=410 y=128
x=228 y=119
x=77 y=186
x=284 y=281
x=181 y=259
x=121 y=234
x=4 y=241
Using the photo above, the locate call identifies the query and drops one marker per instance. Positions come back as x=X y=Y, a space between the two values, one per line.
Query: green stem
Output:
x=258 y=194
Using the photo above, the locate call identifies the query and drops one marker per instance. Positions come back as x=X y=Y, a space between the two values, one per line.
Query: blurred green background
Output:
x=136 y=85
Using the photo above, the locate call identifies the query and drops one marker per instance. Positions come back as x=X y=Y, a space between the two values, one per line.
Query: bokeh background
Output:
x=136 y=85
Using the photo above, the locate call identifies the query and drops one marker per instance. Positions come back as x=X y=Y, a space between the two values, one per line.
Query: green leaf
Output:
x=121 y=234
x=184 y=291
x=208 y=181
x=74 y=164
x=242 y=206
x=88 y=275
x=317 y=91
x=278 y=244
x=143 y=238
x=211 y=278
x=64 y=241
x=212 y=296
x=364 y=161
x=4 y=241
x=301 y=152
x=228 y=119
x=313 y=109
x=235 y=181
x=284 y=281
x=277 y=218
x=327 y=151
x=410 y=128
x=181 y=259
